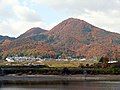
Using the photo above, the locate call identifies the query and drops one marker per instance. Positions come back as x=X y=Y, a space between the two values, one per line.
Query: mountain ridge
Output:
x=73 y=37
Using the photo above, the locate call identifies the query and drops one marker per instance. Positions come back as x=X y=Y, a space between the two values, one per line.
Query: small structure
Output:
x=9 y=59
x=83 y=59
x=111 y=62
x=20 y=59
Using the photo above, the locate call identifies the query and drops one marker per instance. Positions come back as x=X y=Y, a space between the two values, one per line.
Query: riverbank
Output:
x=54 y=78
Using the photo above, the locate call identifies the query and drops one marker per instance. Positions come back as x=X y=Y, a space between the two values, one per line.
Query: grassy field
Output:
x=51 y=63
x=54 y=63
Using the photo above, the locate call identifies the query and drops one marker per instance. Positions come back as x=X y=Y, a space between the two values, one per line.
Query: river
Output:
x=83 y=85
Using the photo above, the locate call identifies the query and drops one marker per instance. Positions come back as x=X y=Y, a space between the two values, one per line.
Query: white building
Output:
x=112 y=62
x=9 y=59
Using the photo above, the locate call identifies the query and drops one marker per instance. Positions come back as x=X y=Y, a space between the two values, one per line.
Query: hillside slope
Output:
x=72 y=37
x=83 y=38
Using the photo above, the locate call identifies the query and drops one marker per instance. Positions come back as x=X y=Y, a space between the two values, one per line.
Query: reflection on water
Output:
x=83 y=85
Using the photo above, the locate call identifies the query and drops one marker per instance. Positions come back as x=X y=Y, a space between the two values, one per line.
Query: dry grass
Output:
x=54 y=63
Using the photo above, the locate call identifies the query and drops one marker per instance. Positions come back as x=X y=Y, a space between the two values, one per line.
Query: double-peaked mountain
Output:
x=72 y=37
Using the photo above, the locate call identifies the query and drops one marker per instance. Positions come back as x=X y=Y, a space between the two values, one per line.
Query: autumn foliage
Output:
x=73 y=37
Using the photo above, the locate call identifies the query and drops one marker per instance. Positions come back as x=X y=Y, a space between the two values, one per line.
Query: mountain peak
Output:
x=71 y=25
x=32 y=32
x=35 y=30
x=71 y=18
x=74 y=20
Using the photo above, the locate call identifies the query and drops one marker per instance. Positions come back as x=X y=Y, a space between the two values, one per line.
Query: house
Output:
x=9 y=59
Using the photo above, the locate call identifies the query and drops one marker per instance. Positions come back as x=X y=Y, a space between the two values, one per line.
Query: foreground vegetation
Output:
x=43 y=70
x=56 y=68
x=53 y=67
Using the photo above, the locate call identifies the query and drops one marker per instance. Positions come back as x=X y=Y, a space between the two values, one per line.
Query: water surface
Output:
x=84 y=85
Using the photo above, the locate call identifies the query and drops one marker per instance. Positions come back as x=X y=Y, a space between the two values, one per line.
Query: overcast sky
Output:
x=17 y=16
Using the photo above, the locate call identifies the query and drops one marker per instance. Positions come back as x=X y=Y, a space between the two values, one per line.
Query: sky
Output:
x=18 y=16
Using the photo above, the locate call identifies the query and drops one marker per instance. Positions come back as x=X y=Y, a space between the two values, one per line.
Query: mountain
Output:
x=25 y=47
x=2 y=38
x=32 y=32
x=72 y=37
x=83 y=38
